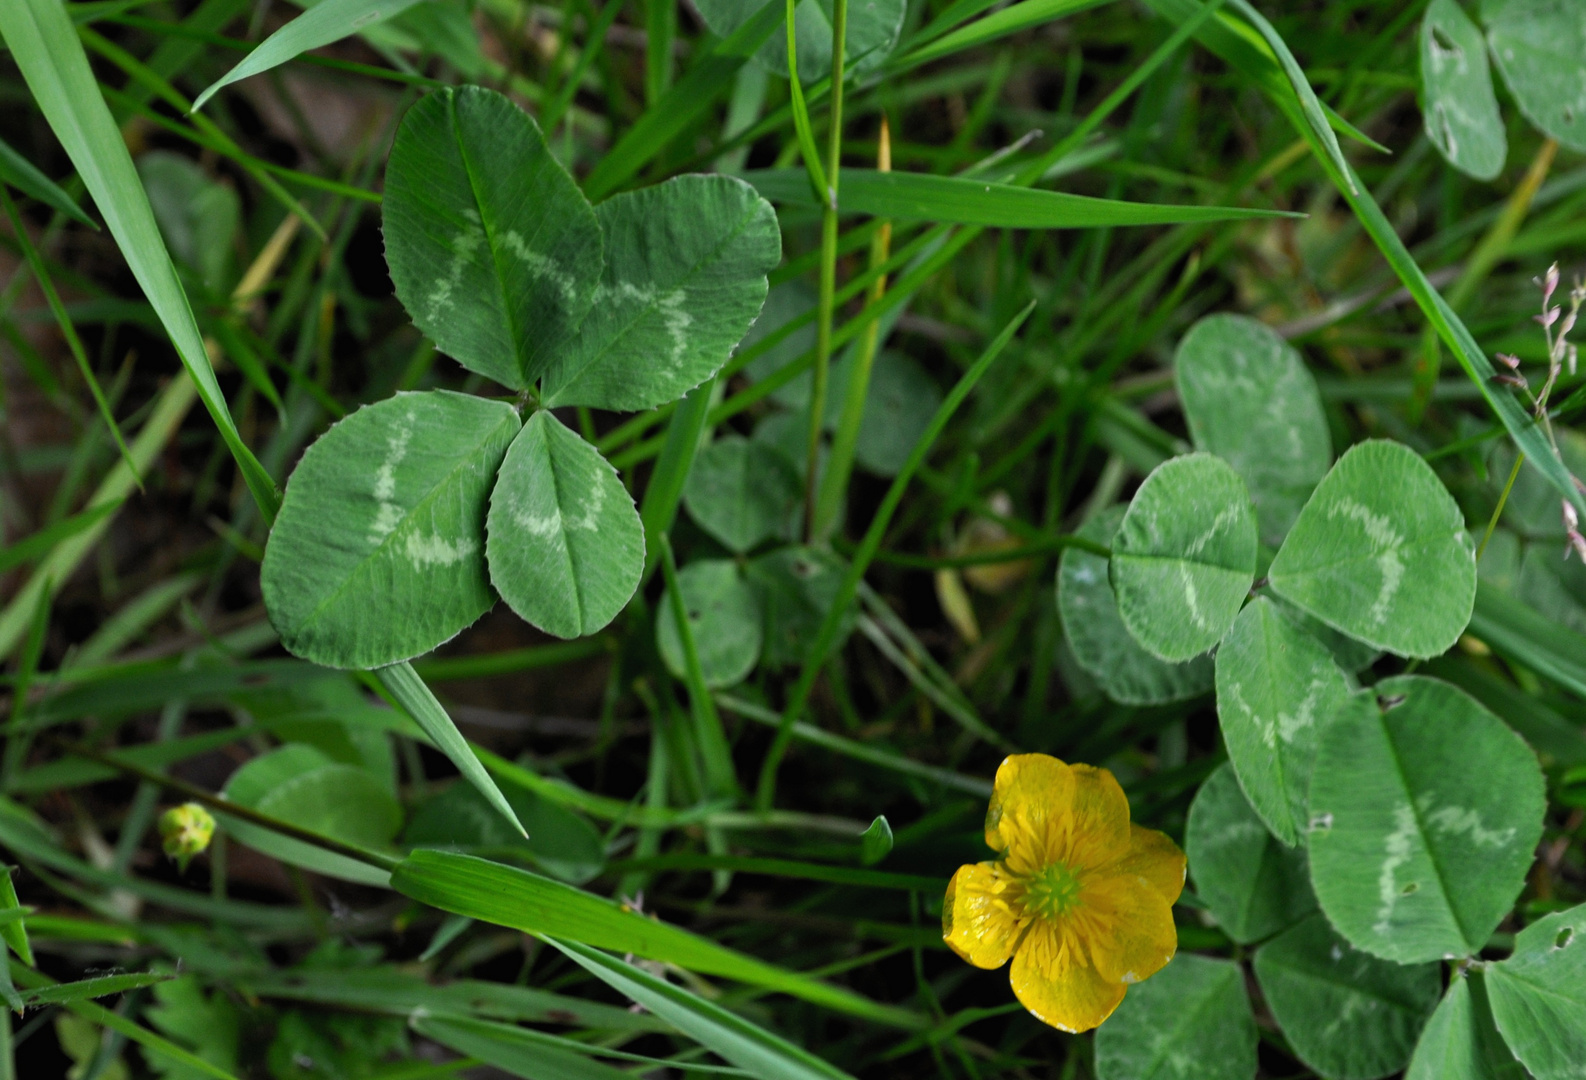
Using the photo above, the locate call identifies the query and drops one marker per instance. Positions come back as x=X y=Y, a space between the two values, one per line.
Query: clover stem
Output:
x=828 y=272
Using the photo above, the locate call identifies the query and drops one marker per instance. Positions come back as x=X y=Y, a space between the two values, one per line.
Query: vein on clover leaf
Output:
x=1080 y=898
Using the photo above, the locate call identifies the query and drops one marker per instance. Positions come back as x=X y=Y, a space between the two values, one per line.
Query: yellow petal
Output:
x=1053 y=980
x=1157 y=859
x=1043 y=812
x=1028 y=788
x=1125 y=926
x=1098 y=820
x=980 y=914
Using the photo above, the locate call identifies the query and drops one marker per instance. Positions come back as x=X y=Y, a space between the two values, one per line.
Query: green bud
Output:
x=185 y=831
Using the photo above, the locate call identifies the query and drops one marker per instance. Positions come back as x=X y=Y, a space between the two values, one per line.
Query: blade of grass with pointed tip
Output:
x=46 y=48
x=924 y=197
x=410 y=691
x=21 y=174
x=139 y=1034
x=325 y=22
x=687 y=98
x=727 y=1034
x=508 y=896
x=1303 y=93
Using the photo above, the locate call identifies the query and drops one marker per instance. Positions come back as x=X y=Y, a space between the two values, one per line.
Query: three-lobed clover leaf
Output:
x=382 y=550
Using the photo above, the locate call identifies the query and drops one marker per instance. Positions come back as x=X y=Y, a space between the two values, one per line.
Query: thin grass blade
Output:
x=46 y=48
x=325 y=22
x=21 y=174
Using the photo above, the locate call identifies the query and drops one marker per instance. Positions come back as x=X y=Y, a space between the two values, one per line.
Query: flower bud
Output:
x=185 y=831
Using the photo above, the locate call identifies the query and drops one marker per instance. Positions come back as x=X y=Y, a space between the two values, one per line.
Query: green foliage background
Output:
x=643 y=497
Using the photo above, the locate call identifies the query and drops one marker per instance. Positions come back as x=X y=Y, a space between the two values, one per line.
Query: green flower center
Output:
x=1052 y=891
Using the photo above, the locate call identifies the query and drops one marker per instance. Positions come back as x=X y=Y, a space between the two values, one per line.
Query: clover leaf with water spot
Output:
x=1276 y=687
x=1426 y=810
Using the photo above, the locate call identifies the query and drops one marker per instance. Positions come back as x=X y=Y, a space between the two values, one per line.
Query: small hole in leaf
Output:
x=803 y=569
x=1321 y=822
x=1564 y=937
x=1390 y=701
x=1410 y=888
x=1443 y=42
x=694 y=616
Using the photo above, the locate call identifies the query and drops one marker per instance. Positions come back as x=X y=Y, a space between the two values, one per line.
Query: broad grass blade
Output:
x=924 y=197
x=507 y=896
x=404 y=684
x=729 y=1035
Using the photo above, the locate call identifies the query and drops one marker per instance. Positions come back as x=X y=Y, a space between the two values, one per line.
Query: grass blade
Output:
x=1303 y=93
x=1263 y=69
x=1010 y=20
x=507 y=896
x=729 y=1035
x=766 y=788
x=43 y=542
x=678 y=107
x=21 y=174
x=410 y=691
x=924 y=197
x=46 y=48
x=325 y=22
x=74 y=343
x=1521 y=633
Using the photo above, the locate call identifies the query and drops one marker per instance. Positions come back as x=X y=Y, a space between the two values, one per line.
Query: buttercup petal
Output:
x=1059 y=987
x=1156 y=858
x=1096 y=824
x=1126 y=927
x=1028 y=789
x=980 y=914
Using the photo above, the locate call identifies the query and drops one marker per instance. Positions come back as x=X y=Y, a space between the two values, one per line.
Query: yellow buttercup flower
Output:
x=1081 y=899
